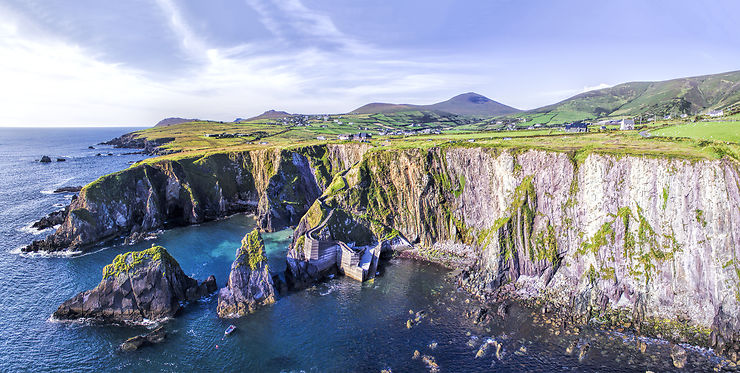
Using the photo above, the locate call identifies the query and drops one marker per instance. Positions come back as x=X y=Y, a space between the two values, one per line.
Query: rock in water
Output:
x=45 y=159
x=155 y=336
x=250 y=283
x=137 y=286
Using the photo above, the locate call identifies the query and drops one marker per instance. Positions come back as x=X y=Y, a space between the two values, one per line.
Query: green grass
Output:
x=703 y=140
x=712 y=131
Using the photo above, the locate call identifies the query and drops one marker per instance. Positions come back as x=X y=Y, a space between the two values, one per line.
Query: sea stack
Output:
x=137 y=286
x=250 y=284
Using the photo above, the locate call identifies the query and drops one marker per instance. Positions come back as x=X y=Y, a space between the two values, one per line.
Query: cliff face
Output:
x=278 y=185
x=649 y=241
x=137 y=286
x=249 y=282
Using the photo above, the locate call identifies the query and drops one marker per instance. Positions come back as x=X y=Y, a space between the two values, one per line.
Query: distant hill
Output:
x=381 y=107
x=172 y=121
x=465 y=104
x=677 y=96
x=270 y=114
x=473 y=104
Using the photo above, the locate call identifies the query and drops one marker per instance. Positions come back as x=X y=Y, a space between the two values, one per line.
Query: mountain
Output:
x=172 y=121
x=473 y=104
x=677 y=96
x=270 y=114
x=465 y=104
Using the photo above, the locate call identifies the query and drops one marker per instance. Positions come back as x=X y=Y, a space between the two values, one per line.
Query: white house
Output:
x=626 y=124
x=320 y=138
x=716 y=113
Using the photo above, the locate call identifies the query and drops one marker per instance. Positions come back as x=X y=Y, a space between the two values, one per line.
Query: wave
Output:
x=149 y=324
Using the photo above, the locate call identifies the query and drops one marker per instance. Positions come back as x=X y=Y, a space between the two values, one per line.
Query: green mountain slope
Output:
x=677 y=96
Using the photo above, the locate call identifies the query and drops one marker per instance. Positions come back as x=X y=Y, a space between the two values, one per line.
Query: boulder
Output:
x=45 y=159
x=250 y=284
x=134 y=343
x=61 y=159
x=137 y=286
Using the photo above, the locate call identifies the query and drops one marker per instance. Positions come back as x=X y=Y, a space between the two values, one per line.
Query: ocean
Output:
x=336 y=326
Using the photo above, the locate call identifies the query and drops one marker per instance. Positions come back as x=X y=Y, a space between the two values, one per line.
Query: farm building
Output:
x=576 y=127
x=626 y=124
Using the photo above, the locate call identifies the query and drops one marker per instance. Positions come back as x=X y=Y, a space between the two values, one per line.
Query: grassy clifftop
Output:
x=702 y=140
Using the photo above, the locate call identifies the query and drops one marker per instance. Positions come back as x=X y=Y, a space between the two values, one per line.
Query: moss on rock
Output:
x=252 y=251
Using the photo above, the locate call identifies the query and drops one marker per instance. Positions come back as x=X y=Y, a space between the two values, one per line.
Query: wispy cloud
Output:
x=291 y=21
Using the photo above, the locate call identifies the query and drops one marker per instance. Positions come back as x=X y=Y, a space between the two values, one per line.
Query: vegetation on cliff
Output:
x=252 y=251
x=133 y=261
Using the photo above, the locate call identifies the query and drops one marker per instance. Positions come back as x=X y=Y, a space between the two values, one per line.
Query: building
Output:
x=716 y=113
x=576 y=127
x=320 y=138
x=362 y=136
x=344 y=137
x=626 y=124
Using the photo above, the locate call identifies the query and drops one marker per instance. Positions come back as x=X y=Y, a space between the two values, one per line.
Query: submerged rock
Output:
x=250 y=283
x=137 y=286
x=134 y=343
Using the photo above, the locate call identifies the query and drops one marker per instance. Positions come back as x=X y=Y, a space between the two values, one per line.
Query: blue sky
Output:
x=101 y=62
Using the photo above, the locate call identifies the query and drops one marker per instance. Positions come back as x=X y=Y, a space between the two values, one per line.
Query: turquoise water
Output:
x=337 y=326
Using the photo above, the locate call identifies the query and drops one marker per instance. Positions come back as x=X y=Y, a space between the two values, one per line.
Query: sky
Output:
x=134 y=62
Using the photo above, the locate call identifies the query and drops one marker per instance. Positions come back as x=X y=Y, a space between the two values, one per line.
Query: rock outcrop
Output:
x=54 y=218
x=250 y=284
x=68 y=189
x=45 y=159
x=278 y=185
x=135 y=141
x=138 y=286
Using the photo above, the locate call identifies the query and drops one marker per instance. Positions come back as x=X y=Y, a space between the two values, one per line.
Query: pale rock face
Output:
x=655 y=237
x=683 y=217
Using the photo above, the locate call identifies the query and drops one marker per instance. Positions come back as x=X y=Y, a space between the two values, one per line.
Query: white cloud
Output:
x=49 y=81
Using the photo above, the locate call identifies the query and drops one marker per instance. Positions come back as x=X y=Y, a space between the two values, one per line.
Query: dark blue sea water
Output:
x=337 y=326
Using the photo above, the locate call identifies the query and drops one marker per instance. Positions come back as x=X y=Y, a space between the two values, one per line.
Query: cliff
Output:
x=137 y=286
x=277 y=185
x=250 y=284
x=643 y=241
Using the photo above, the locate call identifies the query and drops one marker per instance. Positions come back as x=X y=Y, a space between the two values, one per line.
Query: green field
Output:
x=694 y=141
x=713 y=131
